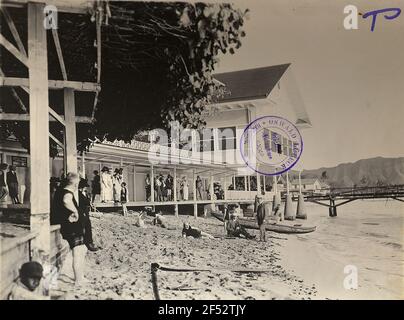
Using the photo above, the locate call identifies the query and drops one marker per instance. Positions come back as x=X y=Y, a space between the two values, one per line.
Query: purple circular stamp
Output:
x=271 y=145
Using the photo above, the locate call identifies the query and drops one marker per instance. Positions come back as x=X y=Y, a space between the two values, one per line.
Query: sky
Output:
x=351 y=81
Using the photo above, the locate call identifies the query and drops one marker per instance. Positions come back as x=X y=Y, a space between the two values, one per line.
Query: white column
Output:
x=287 y=182
x=258 y=185
x=275 y=185
x=175 y=184
x=70 y=131
x=152 y=184
x=225 y=187
x=134 y=183
x=175 y=192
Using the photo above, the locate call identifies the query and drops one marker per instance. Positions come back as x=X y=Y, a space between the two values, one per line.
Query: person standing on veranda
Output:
x=117 y=181
x=147 y=185
x=169 y=187
x=199 y=187
x=104 y=184
x=185 y=188
x=157 y=188
x=12 y=183
x=95 y=186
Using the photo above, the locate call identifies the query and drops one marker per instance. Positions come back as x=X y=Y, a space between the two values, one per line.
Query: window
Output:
x=284 y=146
x=227 y=138
x=276 y=142
x=206 y=140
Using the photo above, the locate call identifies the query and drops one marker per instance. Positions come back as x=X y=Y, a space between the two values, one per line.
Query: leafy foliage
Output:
x=162 y=70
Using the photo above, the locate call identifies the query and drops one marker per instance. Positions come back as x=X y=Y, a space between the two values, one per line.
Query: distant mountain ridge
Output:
x=365 y=172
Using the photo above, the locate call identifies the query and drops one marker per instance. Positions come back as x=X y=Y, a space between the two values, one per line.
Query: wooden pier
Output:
x=346 y=195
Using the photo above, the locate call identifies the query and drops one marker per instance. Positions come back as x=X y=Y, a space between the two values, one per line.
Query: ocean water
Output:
x=366 y=234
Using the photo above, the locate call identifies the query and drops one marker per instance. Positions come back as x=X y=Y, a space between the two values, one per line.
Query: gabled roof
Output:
x=250 y=84
x=304 y=181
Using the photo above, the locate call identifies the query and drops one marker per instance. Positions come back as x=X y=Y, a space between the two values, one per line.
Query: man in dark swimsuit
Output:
x=71 y=225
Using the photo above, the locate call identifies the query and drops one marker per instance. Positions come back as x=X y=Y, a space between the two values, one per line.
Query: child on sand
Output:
x=188 y=231
x=27 y=287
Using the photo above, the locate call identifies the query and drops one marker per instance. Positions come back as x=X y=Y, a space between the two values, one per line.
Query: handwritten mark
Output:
x=376 y=12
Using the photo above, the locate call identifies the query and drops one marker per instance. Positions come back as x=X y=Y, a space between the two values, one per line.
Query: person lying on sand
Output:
x=188 y=231
x=160 y=220
x=235 y=229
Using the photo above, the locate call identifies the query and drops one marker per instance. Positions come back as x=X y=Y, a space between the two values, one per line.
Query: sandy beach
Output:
x=122 y=269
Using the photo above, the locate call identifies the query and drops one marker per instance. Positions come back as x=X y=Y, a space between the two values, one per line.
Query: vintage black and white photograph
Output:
x=201 y=150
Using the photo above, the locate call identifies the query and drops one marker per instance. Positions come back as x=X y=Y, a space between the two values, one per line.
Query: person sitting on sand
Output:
x=27 y=286
x=188 y=231
x=235 y=229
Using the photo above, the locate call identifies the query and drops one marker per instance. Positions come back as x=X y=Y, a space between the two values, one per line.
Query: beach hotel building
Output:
x=215 y=157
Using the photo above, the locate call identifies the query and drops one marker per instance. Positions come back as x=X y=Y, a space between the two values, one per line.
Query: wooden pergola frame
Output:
x=37 y=85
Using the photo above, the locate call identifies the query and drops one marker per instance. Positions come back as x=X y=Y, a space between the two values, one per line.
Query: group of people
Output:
x=73 y=215
x=110 y=186
x=232 y=225
x=163 y=187
x=8 y=183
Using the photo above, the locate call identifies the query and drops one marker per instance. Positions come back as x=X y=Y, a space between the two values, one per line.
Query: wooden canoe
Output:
x=278 y=228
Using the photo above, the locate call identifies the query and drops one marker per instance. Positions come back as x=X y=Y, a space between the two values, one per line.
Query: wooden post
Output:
x=83 y=165
x=194 y=193
x=211 y=187
x=225 y=187
x=175 y=192
x=70 y=131
x=300 y=182
x=39 y=135
x=152 y=184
